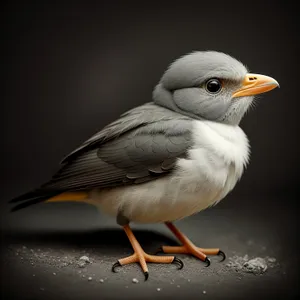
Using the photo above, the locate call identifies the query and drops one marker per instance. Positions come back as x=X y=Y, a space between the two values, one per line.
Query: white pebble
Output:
x=178 y=286
x=134 y=280
x=158 y=289
x=204 y=292
x=54 y=274
x=90 y=279
x=101 y=280
x=84 y=259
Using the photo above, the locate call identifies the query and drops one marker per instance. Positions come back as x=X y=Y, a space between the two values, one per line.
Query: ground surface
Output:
x=43 y=261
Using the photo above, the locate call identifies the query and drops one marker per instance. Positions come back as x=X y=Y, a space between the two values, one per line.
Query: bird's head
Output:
x=210 y=85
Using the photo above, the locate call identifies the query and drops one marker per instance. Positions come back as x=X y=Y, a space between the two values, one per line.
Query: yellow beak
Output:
x=254 y=84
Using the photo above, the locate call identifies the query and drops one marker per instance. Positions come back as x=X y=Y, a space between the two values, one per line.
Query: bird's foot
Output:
x=142 y=258
x=191 y=249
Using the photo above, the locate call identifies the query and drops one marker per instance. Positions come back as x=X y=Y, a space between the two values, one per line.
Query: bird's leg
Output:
x=139 y=256
x=189 y=248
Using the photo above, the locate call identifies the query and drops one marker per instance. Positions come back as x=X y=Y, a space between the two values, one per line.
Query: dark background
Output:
x=69 y=69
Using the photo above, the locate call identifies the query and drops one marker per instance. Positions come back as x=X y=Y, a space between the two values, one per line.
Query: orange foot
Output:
x=189 y=248
x=141 y=257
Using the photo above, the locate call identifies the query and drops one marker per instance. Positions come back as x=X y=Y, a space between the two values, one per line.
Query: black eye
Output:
x=213 y=86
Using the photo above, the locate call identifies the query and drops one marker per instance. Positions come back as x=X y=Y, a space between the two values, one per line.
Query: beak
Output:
x=254 y=84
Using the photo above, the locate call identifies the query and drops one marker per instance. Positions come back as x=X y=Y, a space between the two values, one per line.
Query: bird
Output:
x=174 y=156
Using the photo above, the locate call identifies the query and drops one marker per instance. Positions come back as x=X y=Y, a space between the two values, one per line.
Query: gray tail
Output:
x=30 y=198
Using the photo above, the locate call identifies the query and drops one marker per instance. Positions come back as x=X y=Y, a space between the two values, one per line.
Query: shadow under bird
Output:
x=167 y=159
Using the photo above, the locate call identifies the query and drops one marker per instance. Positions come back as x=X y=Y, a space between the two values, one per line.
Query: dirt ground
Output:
x=43 y=261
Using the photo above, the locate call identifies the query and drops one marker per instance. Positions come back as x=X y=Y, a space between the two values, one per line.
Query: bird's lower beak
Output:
x=254 y=84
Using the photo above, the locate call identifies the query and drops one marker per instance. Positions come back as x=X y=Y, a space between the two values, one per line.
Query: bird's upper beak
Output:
x=254 y=84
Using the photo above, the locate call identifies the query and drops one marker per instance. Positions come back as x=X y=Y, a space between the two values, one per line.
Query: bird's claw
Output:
x=116 y=265
x=207 y=261
x=221 y=253
x=146 y=275
x=179 y=262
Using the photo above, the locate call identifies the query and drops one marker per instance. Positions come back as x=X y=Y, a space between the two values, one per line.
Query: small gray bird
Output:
x=166 y=159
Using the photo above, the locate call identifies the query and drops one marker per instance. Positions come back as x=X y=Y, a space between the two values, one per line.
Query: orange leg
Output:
x=189 y=248
x=139 y=256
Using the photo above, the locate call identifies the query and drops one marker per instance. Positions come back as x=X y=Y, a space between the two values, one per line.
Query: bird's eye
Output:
x=213 y=86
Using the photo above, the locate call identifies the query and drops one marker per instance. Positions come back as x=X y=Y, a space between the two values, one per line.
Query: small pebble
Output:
x=158 y=289
x=204 y=292
x=189 y=280
x=54 y=274
x=178 y=286
x=83 y=276
x=90 y=279
x=42 y=289
x=126 y=287
x=24 y=247
x=84 y=259
x=134 y=280
x=101 y=280
x=33 y=275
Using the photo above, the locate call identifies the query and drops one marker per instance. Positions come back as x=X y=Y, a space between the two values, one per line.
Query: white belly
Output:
x=211 y=170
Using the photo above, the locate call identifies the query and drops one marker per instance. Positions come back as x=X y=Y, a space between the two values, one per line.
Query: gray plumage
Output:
x=142 y=145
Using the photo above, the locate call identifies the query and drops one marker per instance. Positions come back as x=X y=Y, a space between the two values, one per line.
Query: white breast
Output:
x=211 y=170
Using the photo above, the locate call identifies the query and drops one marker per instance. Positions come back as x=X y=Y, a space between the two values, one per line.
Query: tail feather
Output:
x=31 y=198
x=41 y=195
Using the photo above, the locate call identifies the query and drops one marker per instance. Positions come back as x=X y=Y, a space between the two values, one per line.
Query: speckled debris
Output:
x=83 y=261
x=51 y=257
x=257 y=265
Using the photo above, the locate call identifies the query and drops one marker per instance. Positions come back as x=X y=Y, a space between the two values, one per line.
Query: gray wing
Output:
x=142 y=145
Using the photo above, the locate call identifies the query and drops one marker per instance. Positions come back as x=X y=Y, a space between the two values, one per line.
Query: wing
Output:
x=140 y=146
